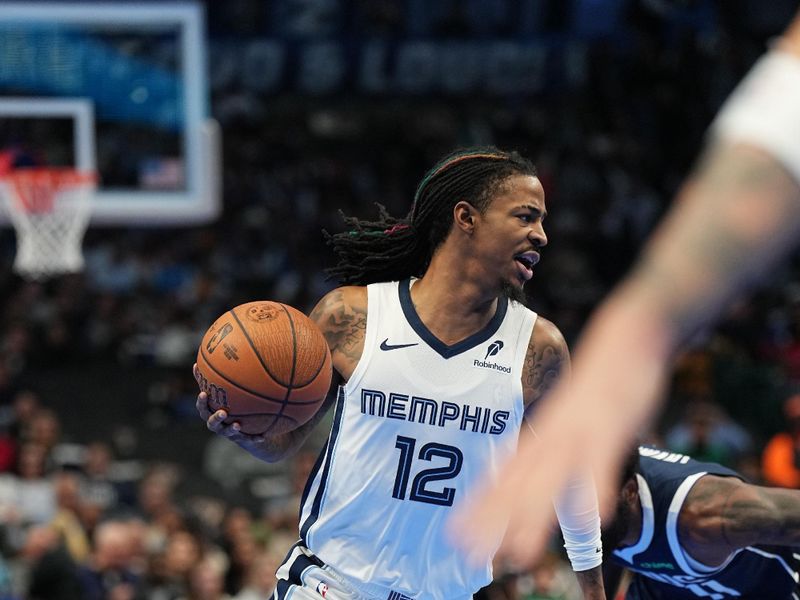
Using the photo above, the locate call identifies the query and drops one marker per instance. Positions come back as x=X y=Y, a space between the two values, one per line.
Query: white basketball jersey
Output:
x=415 y=427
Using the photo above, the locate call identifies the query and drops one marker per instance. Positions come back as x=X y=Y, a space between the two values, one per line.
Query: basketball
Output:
x=267 y=365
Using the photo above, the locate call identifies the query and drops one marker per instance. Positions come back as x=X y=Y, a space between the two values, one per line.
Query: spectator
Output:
x=97 y=486
x=706 y=433
x=206 y=581
x=261 y=577
x=28 y=496
x=51 y=572
x=108 y=574
x=171 y=565
x=67 y=518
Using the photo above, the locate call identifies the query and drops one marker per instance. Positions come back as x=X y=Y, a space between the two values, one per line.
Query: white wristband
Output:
x=579 y=518
x=764 y=110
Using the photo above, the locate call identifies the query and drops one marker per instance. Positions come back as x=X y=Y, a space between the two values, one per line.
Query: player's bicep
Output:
x=341 y=315
x=762 y=515
x=546 y=360
x=726 y=511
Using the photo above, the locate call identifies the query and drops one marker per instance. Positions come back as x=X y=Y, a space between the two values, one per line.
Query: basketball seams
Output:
x=263 y=364
x=291 y=375
x=318 y=371
x=294 y=351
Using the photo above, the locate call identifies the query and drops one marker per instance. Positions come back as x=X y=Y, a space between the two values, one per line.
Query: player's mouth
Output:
x=525 y=263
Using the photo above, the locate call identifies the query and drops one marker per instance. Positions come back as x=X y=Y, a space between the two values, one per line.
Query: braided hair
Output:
x=391 y=248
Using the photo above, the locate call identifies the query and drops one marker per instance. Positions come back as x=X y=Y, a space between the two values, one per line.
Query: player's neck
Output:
x=451 y=306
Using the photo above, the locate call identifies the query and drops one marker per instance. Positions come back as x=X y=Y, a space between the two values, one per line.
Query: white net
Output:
x=50 y=210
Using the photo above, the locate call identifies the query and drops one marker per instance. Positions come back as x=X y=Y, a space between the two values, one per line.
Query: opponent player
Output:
x=440 y=360
x=735 y=217
x=689 y=530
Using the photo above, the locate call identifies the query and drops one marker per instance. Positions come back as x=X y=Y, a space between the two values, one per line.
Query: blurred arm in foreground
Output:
x=735 y=217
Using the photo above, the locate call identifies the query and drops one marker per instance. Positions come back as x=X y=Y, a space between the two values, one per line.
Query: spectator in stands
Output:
x=97 y=486
x=171 y=565
x=50 y=572
x=28 y=496
x=206 y=581
x=261 y=576
x=706 y=433
x=67 y=520
x=108 y=575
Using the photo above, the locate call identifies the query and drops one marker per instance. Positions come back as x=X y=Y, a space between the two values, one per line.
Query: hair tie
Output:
x=396 y=228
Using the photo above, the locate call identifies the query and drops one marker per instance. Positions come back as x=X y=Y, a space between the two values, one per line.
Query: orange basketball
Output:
x=267 y=365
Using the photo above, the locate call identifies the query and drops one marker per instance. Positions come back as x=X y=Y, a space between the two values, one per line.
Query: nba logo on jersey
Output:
x=398 y=596
x=322 y=589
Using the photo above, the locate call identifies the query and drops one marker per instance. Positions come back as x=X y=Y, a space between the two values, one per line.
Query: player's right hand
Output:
x=261 y=445
x=215 y=420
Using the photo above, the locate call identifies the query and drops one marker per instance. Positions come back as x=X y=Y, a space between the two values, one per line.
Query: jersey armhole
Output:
x=523 y=343
x=373 y=315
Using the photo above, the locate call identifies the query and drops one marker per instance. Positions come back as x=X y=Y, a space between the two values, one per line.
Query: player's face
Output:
x=511 y=234
x=628 y=515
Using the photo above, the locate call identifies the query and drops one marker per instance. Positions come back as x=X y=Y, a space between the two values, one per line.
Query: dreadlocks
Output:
x=391 y=248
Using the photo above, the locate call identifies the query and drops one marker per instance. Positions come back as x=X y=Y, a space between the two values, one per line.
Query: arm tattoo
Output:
x=342 y=324
x=728 y=514
x=754 y=514
x=543 y=364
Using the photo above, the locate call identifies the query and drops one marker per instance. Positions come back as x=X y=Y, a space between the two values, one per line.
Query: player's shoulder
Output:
x=546 y=334
x=340 y=301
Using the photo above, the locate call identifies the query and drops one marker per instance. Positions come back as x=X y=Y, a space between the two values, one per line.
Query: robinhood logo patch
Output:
x=492 y=349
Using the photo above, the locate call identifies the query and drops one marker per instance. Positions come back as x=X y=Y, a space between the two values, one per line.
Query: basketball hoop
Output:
x=50 y=210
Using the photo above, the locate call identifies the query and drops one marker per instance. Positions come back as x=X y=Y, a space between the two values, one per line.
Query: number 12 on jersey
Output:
x=419 y=491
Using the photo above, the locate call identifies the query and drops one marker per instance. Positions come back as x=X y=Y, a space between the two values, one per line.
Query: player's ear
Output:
x=464 y=216
x=630 y=490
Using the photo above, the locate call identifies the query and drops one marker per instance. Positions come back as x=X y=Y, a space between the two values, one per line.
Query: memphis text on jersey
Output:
x=427 y=411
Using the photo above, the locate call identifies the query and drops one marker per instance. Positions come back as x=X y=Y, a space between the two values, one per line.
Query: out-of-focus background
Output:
x=110 y=485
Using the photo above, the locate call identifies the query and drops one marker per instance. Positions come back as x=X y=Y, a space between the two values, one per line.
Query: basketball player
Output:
x=440 y=359
x=688 y=530
x=735 y=217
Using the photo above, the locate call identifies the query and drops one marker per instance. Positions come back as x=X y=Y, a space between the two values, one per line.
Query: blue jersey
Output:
x=417 y=424
x=663 y=569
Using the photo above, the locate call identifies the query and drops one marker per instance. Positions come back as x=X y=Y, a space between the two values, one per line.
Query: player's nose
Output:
x=537 y=236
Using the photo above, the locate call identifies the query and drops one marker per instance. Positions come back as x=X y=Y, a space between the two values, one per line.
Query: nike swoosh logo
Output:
x=385 y=346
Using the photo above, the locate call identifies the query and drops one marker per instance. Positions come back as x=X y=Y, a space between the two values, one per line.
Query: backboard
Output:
x=119 y=88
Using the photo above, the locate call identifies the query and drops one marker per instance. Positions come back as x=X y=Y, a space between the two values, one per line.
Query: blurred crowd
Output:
x=89 y=508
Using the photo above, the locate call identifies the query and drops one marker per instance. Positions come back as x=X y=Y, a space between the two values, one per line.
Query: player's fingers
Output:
x=201 y=404
x=528 y=533
x=537 y=478
x=196 y=373
x=479 y=525
x=216 y=422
